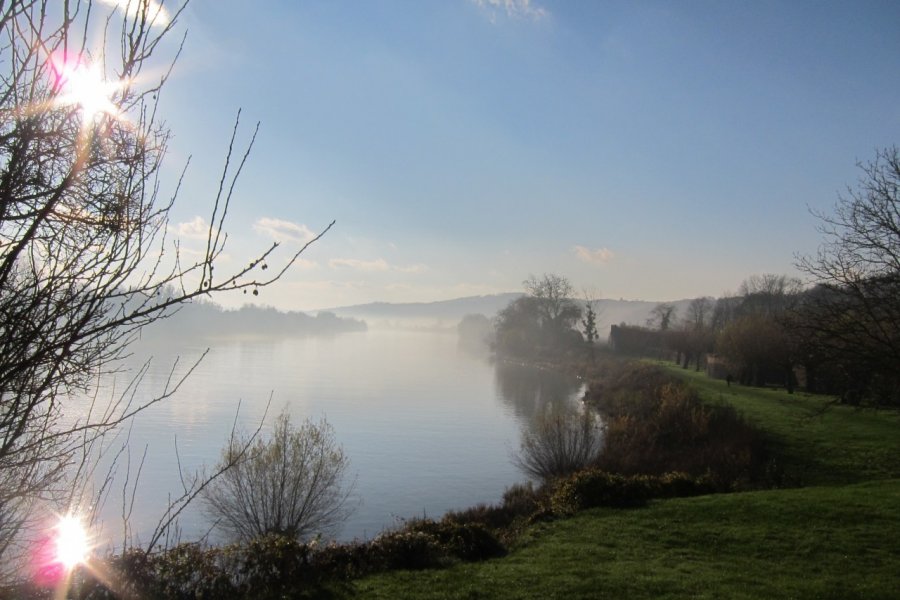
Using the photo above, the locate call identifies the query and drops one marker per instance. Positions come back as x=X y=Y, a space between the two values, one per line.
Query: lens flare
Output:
x=72 y=547
x=83 y=85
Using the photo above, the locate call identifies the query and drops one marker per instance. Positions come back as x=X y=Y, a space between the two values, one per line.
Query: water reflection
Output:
x=428 y=423
x=530 y=391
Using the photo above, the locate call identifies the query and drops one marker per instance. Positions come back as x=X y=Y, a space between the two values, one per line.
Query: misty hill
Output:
x=207 y=320
x=446 y=314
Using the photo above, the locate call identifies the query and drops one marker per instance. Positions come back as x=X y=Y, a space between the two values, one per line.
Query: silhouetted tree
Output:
x=755 y=340
x=589 y=321
x=757 y=348
x=517 y=328
x=85 y=261
x=769 y=294
x=662 y=316
x=541 y=322
x=855 y=317
x=693 y=337
x=553 y=299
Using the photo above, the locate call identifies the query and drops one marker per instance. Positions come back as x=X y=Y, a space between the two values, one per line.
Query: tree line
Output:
x=838 y=333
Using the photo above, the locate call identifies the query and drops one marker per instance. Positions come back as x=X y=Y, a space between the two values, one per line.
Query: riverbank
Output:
x=822 y=542
x=836 y=538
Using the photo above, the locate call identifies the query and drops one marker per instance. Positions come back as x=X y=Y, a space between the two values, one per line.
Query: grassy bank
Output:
x=818 y=441
x=823 y=542
x=838 y=538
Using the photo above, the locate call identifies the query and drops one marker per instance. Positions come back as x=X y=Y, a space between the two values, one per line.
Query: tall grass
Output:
x=656 y=424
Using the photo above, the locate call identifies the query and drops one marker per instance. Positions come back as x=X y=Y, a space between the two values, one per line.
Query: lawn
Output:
x=822 y=542
x=819 y=442
x=838 y=538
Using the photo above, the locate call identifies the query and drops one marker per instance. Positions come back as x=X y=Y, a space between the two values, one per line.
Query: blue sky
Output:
x=646 y=150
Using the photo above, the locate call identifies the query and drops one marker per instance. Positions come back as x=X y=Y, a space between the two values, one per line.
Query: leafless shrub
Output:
x=291 y=484
x=560 y=443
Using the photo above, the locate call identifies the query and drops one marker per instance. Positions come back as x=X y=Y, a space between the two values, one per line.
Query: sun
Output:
x=71 y=540
x=81 y=84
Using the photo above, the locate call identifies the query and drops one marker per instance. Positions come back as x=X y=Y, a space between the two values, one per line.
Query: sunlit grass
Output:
x=816 y=440
x=836 y=540
x=832 y=542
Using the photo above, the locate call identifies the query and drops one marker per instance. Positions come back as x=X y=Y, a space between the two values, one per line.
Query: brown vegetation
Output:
x=656 y=424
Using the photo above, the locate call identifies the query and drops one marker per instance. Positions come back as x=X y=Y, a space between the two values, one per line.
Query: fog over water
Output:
x=428 y=424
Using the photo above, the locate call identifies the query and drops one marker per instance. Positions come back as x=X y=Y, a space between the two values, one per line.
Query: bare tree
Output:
x=541 y=322
x=752 y=329
x=698 y=313
x=290 y=484
x=769 y=294
x=855 y=316
x=85 y=261
x=662 y=316
x=553 y=296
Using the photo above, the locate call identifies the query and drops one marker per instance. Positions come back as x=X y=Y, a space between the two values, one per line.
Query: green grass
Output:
x=825 y=542
x=818 y=442
x=837 y=539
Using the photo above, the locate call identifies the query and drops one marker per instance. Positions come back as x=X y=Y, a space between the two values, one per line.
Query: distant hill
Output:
x=207 y=320
x=446 y=314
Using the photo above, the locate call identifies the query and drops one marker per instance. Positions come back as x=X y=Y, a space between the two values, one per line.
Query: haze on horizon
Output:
x=648 y=150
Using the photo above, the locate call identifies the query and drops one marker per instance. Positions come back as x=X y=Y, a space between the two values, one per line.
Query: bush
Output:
x=290 y=485
x=594 y=488
x=588 y=489
x=520 y=502
x=404 y=549
x=560 y=444
x=465 y=541
x=270 y=566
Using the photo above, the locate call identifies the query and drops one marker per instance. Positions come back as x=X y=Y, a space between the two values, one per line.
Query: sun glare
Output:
x=72 y=546
x=156 y=14
x=82 y=84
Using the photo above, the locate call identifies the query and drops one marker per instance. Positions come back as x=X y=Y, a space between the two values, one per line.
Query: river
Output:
x=428 y=425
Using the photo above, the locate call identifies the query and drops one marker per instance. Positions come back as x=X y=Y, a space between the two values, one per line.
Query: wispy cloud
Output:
x=195 y=229
x=360 y=265
x=599 y=256
x=157 y=15
x=516 y=9
x=283 y=231
x=374 y=266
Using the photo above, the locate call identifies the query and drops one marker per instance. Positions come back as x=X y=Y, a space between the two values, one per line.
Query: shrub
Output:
x=560 y=444
x=464 y=541
x=594 y=488
x=270 y=565
x=682 y=485
x=520 y=502
x=289 y=485
x=403 y=549
x=190 y=571
x=588 y=489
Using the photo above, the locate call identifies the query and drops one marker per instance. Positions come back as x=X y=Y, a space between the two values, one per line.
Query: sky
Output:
x=645 y=150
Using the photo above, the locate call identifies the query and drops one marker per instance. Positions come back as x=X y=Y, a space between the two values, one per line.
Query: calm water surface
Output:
x=428 y=426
